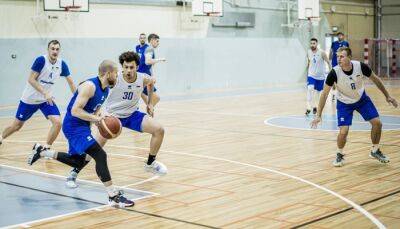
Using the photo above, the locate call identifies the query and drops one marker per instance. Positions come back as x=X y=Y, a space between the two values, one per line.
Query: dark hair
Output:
x=129 y=57
x=340 y=33
x=142 y=34
x=347 y=49
x=152 y=36
x=314 y=39
x=55 y=42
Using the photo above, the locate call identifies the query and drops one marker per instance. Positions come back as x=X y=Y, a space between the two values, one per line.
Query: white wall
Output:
x=199 y=57
x=18 y=20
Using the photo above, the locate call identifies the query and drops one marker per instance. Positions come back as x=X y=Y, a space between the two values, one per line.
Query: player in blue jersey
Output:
x=146 y=63
x=38 y=94
x=333 y=56
x=82 y=110
x=141 y=47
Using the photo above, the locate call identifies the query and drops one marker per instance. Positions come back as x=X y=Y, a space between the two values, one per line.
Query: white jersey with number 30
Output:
x=124 y=97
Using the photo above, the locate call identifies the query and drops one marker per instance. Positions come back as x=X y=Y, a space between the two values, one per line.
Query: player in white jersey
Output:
x=123 y=103
x=348 y=77
x=38 y=94
x=316 y=59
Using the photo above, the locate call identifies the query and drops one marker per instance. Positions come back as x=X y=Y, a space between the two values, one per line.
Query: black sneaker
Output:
x=378 y=155
x=35 y=155
x=307 y=112
x=339 y=161
x=120 y=201
x=314 y=110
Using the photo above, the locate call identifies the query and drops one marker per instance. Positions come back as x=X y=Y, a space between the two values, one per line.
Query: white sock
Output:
x=48 y=153
x=47 y=146
x=340 y=151
x=111 y=190
x=375 y=148
x=310 y=89
x=1 y=138
x=316 y=97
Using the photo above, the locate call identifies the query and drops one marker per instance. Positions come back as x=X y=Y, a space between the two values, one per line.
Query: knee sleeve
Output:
x=100 y=157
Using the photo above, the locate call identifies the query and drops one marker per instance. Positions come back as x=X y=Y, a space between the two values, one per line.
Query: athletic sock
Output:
x=151 y=159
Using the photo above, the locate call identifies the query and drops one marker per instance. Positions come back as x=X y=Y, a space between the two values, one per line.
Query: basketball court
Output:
x=242 y=155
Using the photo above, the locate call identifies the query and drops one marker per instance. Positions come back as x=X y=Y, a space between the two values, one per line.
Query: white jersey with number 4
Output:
x=350 y=88
x=47 y=77
x=124 y=97
x=316 y=68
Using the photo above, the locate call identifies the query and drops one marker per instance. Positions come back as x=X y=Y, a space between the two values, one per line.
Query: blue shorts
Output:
x=79 y=138
x=318 y=84
x=133 y=122
x=25 y=110
x=145 y=90
x=364 y=106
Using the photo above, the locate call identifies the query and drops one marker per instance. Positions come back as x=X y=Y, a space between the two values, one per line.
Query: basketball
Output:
x=110 y=127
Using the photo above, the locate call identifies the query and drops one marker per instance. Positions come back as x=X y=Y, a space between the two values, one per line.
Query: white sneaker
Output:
x=156 y=168
x=339 y=160
x=71 y=180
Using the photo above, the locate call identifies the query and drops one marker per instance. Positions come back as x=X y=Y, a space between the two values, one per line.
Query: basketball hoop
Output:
x=213 y=14
x=72 y=8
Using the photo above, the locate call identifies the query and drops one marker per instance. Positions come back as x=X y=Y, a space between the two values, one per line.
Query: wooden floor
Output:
x=223 y=163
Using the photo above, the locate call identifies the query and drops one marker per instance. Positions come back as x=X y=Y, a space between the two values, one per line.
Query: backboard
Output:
x=66 y=5
x=212 y=8
x=308 y=9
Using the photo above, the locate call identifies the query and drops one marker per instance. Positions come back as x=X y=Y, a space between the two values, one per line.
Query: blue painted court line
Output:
x=30 y=196
x=329 y=122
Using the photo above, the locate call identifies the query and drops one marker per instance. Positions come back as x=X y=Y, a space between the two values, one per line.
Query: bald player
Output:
x=81 y=112
x=123 y=103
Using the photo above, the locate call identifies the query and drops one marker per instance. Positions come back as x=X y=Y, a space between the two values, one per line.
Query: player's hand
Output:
x=49 y=98
x=162 y=59
x=392 y=101
x=314 y=123
x=98 y=117
x=150 y=110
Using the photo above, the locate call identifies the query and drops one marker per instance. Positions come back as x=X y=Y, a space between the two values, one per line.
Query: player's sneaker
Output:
x=339 y=160
x=71 y=179
x=378 y=155
x=120 y=201
x=35 y=155
x=156 y=168
x=314 y=110
x=308 y=112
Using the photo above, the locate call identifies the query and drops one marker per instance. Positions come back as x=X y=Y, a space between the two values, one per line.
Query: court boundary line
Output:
x=344 y=210
x=64 y=177
x=27 y=224
x=351 y=203
x=267 y=122
x=348 y=201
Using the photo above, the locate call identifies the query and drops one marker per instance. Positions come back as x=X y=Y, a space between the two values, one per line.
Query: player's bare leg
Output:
x=151 y=126
x=341 y=142
x=54 y=130
x=376 y=132
x=15 y=126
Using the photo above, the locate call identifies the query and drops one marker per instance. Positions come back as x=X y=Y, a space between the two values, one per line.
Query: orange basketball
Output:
x=110 y=127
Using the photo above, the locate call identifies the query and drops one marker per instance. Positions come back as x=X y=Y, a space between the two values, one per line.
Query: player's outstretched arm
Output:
x=148 y=57
x=378 y=82
x=325 y=57
x=71 y=84
x=85 y=92
x=321 y=105
x=149 y=83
